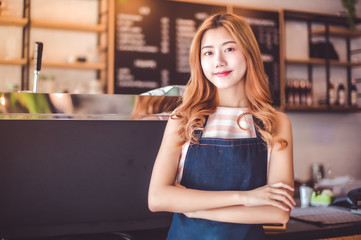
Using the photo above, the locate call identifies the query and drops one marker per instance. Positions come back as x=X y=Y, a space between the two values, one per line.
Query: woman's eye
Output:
x=229 y=49
x=208 y=53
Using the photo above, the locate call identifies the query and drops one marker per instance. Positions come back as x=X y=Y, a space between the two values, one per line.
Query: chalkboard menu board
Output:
x=152 y=40
x=265 y=26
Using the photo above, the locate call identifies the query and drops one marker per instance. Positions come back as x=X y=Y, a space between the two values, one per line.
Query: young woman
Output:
x=225 y=163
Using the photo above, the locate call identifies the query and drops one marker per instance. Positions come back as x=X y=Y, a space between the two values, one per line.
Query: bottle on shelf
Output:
x=309 y=93
x=303 y=92
x=341 y=95
x=289 y=93
x=353 y=93
x=296 y=92
x=332 y=94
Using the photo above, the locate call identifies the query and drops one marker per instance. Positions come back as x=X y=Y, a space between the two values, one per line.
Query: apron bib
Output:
x=217 y=164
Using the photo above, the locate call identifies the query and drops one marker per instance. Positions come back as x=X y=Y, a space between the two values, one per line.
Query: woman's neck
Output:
x=243 y=103
x=233 y=98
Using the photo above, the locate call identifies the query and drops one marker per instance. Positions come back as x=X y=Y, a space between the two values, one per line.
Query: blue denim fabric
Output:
x=221 y=164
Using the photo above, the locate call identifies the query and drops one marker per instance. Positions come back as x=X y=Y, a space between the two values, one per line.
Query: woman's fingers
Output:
x=283 y=195
x=283 y=199
x=277 y=194
x=282 y=185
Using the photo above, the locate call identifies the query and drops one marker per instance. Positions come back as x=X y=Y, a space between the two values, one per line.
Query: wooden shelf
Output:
x=328 y=27
x=76 y=65
x=12 y=21
x=15 y=61
x=355 y=64
x=306 y=60
x=321 y=61
x=289 y=107
x=336 y=108
x=321 y=108
x=337 y=31
x=98 y=28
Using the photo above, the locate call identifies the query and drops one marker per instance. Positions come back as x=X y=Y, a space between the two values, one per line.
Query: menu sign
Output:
x=142 y=43
x=265 y=26
x=152 y=40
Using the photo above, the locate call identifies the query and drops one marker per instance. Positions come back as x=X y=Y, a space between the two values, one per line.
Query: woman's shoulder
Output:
x=174 y=119
x=282 y=117
x=171 y=136
x=284 y=123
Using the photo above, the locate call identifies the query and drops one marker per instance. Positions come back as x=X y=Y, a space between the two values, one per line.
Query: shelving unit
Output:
x=12 y=21
x=336 y=31
x=321 y=108
x=335 y=27
x=97 y=28
x=101 y=29
x=75 y=65
x=28 y=23
x=315 y=108
x=20 y=61
x=21 y=22
x=321 y=61
x=306 y=61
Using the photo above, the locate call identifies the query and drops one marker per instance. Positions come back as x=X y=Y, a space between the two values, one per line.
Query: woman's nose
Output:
x=220 y=61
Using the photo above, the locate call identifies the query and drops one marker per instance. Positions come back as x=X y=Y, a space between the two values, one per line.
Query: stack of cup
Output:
x=305 y=195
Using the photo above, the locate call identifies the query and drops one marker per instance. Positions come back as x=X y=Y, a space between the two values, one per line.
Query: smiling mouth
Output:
x=222 y=74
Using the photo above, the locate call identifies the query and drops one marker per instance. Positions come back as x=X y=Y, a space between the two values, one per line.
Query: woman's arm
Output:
x=281 y=160
x=280 y=171
x=243 y=215
x=165 y=196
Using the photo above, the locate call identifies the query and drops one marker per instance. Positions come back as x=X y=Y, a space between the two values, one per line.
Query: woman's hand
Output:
x=277 y=195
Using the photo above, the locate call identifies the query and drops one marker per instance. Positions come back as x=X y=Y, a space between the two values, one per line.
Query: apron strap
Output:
x=199 y=132
x=258 y=123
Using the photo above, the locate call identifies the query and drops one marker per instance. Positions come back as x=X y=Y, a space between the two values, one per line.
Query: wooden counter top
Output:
x=300 y=230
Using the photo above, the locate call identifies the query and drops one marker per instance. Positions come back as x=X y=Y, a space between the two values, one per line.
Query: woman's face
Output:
x=222 y=60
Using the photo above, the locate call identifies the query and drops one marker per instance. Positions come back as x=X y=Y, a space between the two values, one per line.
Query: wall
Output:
x=64 y=44
x=333 y=139
x=330 y=138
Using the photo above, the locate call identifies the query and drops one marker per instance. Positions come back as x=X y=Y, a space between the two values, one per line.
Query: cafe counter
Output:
x=75 y=164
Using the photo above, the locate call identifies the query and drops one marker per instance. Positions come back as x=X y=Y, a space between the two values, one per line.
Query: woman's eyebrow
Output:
x=225 y=43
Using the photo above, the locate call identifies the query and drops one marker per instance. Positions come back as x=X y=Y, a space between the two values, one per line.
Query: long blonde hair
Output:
x=200 y=97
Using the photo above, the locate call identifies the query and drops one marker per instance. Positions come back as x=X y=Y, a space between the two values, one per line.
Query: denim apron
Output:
x=218 y=164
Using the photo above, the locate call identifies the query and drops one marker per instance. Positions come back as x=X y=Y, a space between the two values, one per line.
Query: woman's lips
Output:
x=222 y=74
